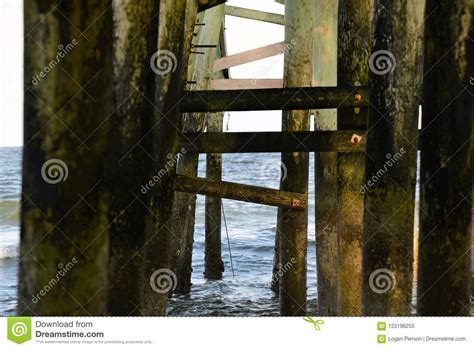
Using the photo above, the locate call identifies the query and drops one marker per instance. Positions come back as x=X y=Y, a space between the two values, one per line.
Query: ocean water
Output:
x=251 y=230
x=10 y=191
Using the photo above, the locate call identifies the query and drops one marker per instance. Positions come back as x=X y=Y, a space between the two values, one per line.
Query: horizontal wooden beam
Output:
x=240 y=192
x=254 y=14
x=298 y=98
x=248 y=56
x=273 y=142
x=207 y=4
x=245 y=84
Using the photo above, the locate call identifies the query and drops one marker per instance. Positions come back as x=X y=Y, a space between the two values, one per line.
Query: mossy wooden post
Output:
x=325 y=177
x=185 y=204
x=135 y=32
x=354 y=50
x=160 y=248
x=67 y=110
x=293 y=224
x=391 y=158
x=445 y=174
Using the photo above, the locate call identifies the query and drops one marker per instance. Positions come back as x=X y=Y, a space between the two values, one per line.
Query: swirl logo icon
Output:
x=54 y=171
x=19 y=329
x=382 y=62
x=163 y=62
x=382 y=281
x=270 y=170
x=163 y=281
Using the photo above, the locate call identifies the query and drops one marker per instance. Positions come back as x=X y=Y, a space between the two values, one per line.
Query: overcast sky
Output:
x=241 y=35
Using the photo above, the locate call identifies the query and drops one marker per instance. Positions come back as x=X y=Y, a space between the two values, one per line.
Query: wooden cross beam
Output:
x=273 y=142
x=298 y=98
x=254 y=14
x=249 y=56
x=240 y=192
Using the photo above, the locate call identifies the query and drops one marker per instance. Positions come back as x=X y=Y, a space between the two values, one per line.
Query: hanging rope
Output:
x=228 y=241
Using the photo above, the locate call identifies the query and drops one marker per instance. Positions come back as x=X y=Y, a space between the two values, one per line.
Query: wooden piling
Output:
x=391 y=158
x=292 y=224
x=325 y=176
x=160 y=247
x=213 y=266
x=354 y=50
x=66 y=133
x=128 y=168
x=446 y=158
x=185 y=204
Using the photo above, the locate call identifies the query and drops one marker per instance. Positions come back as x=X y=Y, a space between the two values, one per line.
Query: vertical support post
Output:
x=66 y=133
x=214 y=265
x=185 y=204
x=293 y=223
x=325 y=181
x=391 y=158
x=446 y=175
x=160 y=247
x=136 y=30
x=355 y=31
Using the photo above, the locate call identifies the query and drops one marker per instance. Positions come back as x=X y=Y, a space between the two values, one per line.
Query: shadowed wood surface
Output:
x=288 y=98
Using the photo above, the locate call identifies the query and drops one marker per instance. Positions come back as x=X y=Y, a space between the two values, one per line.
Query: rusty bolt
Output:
x=296 y=202
x=358 y=97
x=356 y=139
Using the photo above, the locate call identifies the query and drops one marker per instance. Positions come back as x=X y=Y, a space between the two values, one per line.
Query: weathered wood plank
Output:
x=272 y=142
x=240 y=192
x=296 y=98
x=262 y=16
x=245 y=84
x=248 y=56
